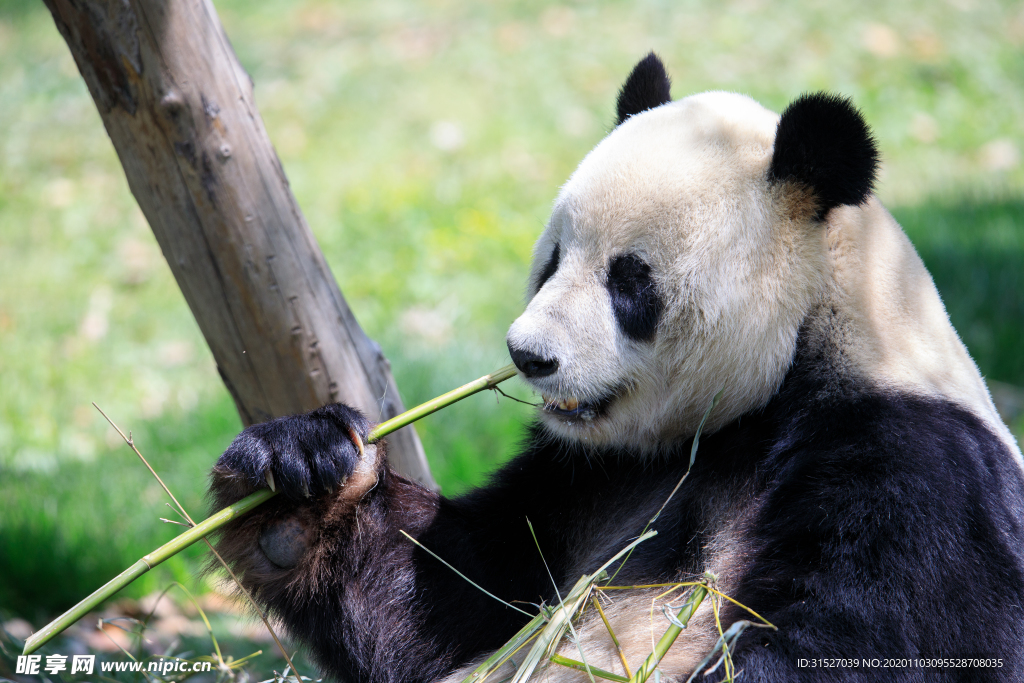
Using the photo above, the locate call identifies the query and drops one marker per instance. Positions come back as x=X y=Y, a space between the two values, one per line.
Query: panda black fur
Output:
x=854 y=486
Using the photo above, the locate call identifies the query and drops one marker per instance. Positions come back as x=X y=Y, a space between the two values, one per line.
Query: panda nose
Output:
x=530 y=364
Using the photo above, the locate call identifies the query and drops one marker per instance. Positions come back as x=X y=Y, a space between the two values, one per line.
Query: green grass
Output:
x=425 y=143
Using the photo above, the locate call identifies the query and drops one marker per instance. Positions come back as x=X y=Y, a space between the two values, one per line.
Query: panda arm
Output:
x=889 y=534
x=335 y=567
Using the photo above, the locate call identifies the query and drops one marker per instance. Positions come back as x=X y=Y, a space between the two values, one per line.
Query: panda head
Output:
x=681 y=258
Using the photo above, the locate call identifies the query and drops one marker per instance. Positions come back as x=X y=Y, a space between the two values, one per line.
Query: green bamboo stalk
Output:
x=219 y=519
x=143 y=565
x=683 y=617
x=443 y=401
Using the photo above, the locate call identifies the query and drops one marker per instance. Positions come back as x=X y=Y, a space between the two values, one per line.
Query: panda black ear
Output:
x=823 y=142
x=646 y=88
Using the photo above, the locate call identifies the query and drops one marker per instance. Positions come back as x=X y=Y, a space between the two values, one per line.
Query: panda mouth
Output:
x=574 y=409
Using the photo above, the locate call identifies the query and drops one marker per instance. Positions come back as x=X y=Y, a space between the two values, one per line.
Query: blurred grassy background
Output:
x=425 y=142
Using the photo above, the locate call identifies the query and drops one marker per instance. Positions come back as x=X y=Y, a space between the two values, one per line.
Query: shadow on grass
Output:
x=13 y=9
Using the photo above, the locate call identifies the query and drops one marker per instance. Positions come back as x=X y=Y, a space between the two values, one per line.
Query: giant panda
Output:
x=854 y=485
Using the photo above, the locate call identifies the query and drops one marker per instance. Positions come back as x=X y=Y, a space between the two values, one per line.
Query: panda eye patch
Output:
x=550 y=268
x=635 y=299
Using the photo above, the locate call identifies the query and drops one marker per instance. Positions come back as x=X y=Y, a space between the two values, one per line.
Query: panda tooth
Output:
x=566 y=404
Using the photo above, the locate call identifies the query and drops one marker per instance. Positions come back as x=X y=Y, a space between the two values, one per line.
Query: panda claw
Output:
x=269 y=476
x=358 y=441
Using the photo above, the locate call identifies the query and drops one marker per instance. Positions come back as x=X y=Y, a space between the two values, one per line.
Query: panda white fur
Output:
x=854 y=486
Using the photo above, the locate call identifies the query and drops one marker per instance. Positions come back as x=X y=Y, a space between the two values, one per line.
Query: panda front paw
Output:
x=301 y=456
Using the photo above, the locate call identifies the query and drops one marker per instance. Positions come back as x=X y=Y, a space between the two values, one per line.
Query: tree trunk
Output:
x=179 y=109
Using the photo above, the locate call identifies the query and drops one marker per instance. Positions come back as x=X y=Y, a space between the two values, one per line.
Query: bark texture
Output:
x=179 y=109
